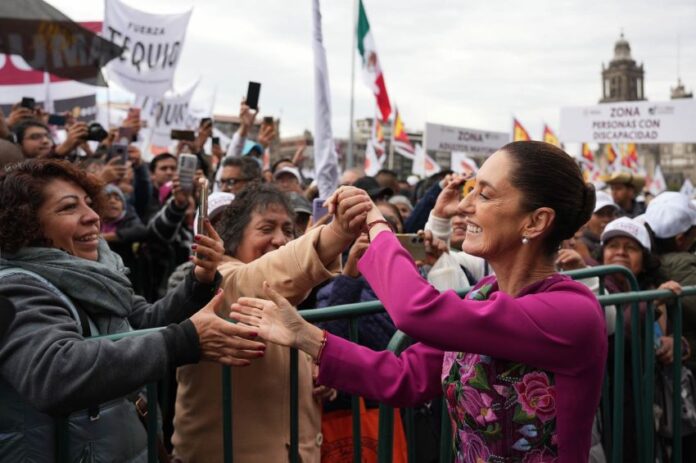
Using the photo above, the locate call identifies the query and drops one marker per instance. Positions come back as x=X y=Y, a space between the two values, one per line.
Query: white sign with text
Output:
x=151 y=44
x=479 y=143
x=631 y=122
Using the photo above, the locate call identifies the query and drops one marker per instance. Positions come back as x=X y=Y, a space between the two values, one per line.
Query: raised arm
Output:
x=560 y=327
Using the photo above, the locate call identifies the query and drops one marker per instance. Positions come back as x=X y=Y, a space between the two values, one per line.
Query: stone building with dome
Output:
x=623 y=79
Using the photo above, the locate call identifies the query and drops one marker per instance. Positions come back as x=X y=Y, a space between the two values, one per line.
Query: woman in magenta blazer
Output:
x=520 y=359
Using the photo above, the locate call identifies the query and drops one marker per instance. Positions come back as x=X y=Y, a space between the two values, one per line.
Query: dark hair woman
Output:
x=258 y=233
x=521 y=357
x=67 y=285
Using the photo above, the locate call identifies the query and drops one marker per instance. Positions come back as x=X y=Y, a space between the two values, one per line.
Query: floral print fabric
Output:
x=501 y=411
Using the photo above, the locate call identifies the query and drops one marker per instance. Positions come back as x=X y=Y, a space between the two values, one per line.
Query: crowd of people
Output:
x=96 y=241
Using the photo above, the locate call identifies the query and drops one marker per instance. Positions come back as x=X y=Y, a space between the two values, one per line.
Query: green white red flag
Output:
x=372 y=71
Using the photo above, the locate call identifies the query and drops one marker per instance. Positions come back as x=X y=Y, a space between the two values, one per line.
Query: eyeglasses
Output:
x=230 y=182
x=38 y=136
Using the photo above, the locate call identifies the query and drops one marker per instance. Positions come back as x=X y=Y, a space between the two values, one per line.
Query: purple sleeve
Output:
x=409 y=379
x=560 y=328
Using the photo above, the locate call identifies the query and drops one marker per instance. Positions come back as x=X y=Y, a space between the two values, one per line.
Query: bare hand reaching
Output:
x=224 y=342
x=277 y=321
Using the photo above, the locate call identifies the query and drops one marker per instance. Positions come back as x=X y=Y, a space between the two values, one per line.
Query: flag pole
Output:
x=391 y=145
x=350 y=160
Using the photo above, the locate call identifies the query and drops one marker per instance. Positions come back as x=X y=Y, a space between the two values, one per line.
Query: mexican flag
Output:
x=372 y=71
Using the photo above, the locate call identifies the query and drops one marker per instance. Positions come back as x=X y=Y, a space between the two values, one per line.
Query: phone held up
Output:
x=252 y=97
x=414 y=244
x=188 y=163
x=28 y=102
x=185 y=135
x=318 y=209
x=202 y=207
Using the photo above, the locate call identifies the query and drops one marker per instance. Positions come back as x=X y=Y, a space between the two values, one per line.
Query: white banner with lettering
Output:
x=631 y=122
x=474 y=142
x=164 y=114
x=151 y=44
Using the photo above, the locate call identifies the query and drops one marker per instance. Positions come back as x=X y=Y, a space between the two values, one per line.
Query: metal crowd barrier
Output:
x=643 y=379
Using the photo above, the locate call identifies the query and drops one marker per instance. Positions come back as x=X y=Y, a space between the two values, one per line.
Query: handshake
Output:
x=353 y=210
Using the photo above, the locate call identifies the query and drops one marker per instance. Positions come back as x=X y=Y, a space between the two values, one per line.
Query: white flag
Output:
x=658 y=184
x=152 y=46
x=373 y=162
x=463 y=164
x=687 y=188
x=325 y=157
x=424 y=165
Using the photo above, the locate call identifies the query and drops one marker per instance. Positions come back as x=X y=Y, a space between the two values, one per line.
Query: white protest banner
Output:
x=163 y=115
x=463 y=164
x=151 y=44
x=631 y=122
x=479 y=143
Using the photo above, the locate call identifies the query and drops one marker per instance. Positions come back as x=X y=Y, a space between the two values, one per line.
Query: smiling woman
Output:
x=520 y=358
x=68 y=286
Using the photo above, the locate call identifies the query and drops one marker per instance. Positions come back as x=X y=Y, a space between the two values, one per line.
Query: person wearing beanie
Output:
x=122 y=229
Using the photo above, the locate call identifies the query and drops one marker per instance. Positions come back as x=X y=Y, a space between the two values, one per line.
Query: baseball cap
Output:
x=670 y=214
x=371 y=186
x=603 y=200
x=288 y=170
x=628 y=227
x=216 y=204
x=251 y=145
x=299 y=203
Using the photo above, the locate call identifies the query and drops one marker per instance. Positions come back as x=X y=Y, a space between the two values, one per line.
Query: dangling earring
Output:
x=525 y=240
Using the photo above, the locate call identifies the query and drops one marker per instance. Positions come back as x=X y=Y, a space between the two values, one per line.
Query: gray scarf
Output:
x=101 y=288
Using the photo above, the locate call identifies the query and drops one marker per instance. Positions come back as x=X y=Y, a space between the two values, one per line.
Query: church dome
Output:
x=622 y=49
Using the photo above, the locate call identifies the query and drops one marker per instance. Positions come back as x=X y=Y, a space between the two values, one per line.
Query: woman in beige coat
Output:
x=257 y=229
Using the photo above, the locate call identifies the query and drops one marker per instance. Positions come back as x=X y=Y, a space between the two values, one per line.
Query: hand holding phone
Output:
x=202 y=207
x=252 y=97
x=318 y=209
x=28 y=102
x=414 y=244
x=188 y=163
x=185 y=135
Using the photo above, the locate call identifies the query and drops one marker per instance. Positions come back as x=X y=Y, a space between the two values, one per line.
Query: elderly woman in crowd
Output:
x=67 y=285
x=521 y=358
x=257 y=230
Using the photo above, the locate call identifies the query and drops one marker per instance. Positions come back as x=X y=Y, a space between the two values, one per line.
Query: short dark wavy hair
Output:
x=256 y=197
x=22 y=194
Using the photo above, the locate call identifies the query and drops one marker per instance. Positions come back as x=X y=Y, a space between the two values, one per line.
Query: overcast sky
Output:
x=465 y=63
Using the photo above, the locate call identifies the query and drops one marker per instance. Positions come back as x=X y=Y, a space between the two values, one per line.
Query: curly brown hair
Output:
x=21 y=196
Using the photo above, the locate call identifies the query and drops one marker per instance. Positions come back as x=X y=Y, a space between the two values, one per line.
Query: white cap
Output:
x=288 y=170
x=604 y=199
x=630 y=228
x=216 y=204
x=670 y=214
x=412 y=180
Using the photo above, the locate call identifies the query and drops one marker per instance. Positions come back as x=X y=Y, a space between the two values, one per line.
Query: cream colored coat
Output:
x=261 y=391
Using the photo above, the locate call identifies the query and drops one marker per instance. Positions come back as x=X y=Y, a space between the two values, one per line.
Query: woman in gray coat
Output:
x=67 y=286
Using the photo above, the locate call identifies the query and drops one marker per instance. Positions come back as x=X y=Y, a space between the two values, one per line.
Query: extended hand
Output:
x=224 y=342
x=449 y=197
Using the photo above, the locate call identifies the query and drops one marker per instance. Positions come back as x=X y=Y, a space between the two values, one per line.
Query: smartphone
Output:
x=126 y=135
x=186 y=135
x=202 y=207
x=252 y=98
x=318 y=209
x=268 y=120
x=57 y=120
x=28 y=102
x=118 y=150
x=216 y=140
x=188 y=163
x=414 y=244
